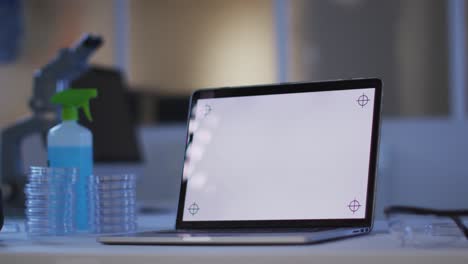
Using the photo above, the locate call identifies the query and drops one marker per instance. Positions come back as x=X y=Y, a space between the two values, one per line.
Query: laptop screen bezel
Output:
x=287 y=88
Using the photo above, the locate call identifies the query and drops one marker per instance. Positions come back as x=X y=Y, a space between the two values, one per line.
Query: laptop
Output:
x=290 y=163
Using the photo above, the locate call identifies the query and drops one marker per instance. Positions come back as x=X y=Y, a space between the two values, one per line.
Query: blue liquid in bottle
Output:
x=80 y=157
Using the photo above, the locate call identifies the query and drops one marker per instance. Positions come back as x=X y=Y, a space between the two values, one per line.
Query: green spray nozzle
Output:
x=73 y=99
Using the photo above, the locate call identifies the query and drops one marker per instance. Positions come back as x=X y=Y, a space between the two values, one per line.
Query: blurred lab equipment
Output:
x=69 y=64
x=425 y=227
x=112 y=120
x=51 y=201
x=113 y=203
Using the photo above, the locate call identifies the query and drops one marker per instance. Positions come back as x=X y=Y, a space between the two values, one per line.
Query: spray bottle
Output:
x=71 y=145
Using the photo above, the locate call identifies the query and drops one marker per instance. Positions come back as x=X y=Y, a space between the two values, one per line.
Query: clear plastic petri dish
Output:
x=116 y=210
x=49 y=192
x=50 y=201
x=119 y=217
x=116 y=194
x=50 y=185
x=113 y=203
x=113 y=178
x=44 y=197
x=48 y=174
x=115 y=186
x=53 y=203
x=44 y=215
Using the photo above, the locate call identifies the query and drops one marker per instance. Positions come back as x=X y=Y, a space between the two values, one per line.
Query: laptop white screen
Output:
x=287 y=156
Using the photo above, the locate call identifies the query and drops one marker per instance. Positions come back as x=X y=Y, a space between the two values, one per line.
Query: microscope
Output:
x=55 y=76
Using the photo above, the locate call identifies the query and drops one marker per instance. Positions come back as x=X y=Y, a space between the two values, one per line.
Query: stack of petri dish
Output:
x=50 y=201
x=113 y=203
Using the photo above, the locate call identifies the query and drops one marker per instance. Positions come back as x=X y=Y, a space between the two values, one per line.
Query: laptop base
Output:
x=296 y=237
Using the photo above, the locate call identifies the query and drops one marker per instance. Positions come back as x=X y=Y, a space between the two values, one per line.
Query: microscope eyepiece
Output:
x=91 y=41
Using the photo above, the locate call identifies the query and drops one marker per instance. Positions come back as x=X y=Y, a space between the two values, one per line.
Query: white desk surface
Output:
x=377 y=247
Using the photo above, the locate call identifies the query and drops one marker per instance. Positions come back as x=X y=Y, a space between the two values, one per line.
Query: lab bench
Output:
x=377 y=247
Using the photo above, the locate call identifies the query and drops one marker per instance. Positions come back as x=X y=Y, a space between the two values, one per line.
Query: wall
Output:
x=182 y=45
x=403 y=42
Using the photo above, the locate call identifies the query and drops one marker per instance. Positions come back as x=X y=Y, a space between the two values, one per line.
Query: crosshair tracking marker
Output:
x=354 y=205
x=363 y=100
x=193 y=209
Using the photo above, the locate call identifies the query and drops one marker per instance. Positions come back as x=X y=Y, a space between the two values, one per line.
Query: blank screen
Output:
x=287 y=156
